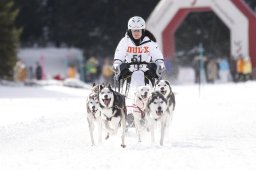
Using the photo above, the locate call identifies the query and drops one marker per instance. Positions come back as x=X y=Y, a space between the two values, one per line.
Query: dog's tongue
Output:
x=106 y=101
x=163 y=92
x=158 y=112
x=144 y=96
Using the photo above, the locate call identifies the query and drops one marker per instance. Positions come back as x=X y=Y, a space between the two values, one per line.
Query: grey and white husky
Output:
x=157 y=112
x=94 y=115
x=113 y=111
x=164 y=87
x=139 y=107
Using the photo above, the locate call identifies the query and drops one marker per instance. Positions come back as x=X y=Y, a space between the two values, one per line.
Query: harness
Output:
x=113 y=107
x=140 y=111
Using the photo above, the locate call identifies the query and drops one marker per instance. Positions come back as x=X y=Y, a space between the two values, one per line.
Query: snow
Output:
x=45 y=127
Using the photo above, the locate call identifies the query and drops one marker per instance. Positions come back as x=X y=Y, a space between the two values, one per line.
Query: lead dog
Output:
x=139 y=106
x=94 y=115
x=157 y=112
x=113 y=111
x=164 y=87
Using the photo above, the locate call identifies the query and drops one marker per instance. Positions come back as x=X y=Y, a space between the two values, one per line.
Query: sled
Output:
x=123 y=83
x=127 y=84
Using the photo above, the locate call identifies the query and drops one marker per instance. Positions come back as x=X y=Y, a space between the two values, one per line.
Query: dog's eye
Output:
x=165 y=85
x=162 y=102
x=154 y=102
x=158 y=84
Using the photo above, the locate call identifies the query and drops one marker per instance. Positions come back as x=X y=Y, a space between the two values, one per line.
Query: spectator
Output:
x=223 y=69
x=247 y=69
x=30 y=73
x=16 y=70
x=91 y=69
x=20 y=72
x=198 y=65
x=39 y=71
x=240 y=68
x=232 y=68
x=212 y=70
x=71 y=72
x=107 y=72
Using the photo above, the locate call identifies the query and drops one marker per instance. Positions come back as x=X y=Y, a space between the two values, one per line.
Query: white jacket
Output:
x=146 y=52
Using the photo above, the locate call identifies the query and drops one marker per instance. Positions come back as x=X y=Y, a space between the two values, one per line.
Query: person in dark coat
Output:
x=39 y=71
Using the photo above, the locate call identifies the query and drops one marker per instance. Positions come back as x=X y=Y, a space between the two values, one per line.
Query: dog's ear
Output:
x=101 y=86
x=94 y=84
x=157 y=82
x=167 y=82
x=109 y=86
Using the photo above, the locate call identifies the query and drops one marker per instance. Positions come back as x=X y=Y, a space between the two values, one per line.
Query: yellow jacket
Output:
x=71 y=72
x=247 y=67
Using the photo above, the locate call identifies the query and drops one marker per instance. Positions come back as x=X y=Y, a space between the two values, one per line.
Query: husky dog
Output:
x=164 y=87
x=94 y=115
x=141 y=97
x=157 y=112
x=95 y=88
x=113 y=109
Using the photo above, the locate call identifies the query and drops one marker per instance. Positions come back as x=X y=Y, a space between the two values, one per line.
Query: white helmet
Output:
x=136 y=23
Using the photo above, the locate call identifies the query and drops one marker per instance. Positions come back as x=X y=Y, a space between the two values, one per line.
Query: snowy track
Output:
x=46 y=128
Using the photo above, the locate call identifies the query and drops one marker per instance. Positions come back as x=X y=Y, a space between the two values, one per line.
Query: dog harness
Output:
x=114 y=107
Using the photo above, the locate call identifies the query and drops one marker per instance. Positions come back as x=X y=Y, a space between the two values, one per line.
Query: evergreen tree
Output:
x=32 y=19
x=9 y=38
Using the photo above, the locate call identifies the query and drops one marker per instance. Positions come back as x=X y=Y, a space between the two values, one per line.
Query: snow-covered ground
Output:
x=46 y=128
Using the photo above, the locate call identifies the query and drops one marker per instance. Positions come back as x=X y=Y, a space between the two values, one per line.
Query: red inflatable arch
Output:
x=169 y=14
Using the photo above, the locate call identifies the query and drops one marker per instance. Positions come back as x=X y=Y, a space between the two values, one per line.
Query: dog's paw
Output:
x=123 y=146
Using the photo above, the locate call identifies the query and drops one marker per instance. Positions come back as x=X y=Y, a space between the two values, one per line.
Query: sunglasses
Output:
x=136 y=30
